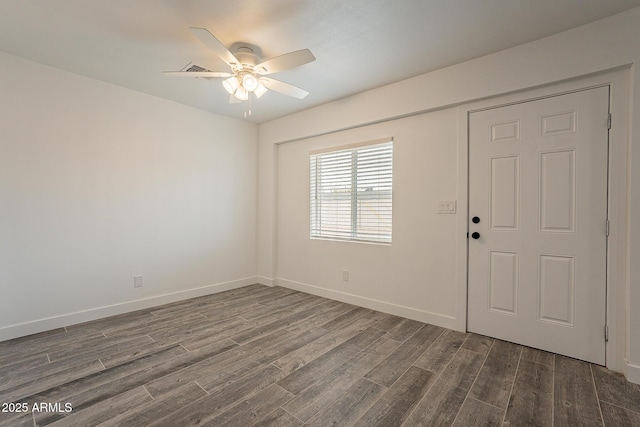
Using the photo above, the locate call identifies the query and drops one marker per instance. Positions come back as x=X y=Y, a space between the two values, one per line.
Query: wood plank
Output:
x=305 y=376
x=375 y=316
x=345 y=319
x=106 y=347
x=92 y=389
x=248 y=295
x=575 y=396
x=218 y=298
x=13 y=380
x=157 y=409
x=111 y=360
x=320 y=318
x=209 y=407
x=30 y=339
x=439 y=354
x=393 y=408
x=260 y=331
x=253 y=409
x=478 y=343
x=612 y=387
x=220 y=333
x=404 y=330
x=152 y=326
x=531 y=402
x=326 y=389
x=287 y=300
x=47 y=343
x=112 y=325
x=22 y=364
x=616 y=416
x=390 y=369
x=227 y=311
x=389 y=322
x=198 y=327
x=538 y=356
x=298 y=301
x=302 y=304
x=348 y=407
x=279 y=418
x=475 y=413
x=261 y=297
x=16 y=420
x=495 y=380
x=249 y=313
x=297 y=359
x=214 y=363
x=189 y=306
x=47 y=381
x=270 y=316
x=99 y=340
x=106 y=409
x=246 y=366
x=445 y=398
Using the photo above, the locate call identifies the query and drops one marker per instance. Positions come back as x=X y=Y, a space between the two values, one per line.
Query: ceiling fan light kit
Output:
x=259 y=90
x=249 y=82
x=241 y=93
x=231 y=84
x=242 y=85
x=246 y=72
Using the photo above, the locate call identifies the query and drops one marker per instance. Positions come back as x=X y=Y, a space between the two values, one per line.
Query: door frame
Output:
x=617 y=243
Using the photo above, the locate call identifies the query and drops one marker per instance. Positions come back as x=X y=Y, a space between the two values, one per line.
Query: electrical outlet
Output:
x=345 y=275
x=137 y=281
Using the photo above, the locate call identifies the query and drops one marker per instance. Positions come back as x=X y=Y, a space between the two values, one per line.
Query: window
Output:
x=351 y=193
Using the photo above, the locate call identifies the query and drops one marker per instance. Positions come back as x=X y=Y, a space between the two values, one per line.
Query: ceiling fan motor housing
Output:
x=247 y=58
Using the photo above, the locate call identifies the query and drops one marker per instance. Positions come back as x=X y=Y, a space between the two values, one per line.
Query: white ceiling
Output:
x=359 y=44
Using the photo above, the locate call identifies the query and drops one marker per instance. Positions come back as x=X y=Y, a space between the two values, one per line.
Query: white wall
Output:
x=99 y=183
x=604 y=45
x=415 y=276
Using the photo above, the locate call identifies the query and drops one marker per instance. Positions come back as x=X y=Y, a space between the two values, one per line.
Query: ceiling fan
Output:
x=247 y=73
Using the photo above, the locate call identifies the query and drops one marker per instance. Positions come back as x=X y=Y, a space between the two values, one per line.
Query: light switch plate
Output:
x=447 y=207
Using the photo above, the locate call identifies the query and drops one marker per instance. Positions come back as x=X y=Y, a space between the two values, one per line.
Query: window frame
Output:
x=356 y=171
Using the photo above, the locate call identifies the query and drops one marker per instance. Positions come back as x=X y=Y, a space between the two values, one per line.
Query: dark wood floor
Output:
x=276 y=357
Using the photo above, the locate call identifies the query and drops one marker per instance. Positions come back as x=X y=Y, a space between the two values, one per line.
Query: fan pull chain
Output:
x=248 y=112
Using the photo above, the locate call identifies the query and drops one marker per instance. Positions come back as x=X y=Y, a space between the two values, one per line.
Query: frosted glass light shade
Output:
x=231 y=85
x=260 y=90
x=241 y=93
x=249 y=82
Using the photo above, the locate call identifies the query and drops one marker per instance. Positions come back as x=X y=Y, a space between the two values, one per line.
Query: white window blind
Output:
x=351 y=193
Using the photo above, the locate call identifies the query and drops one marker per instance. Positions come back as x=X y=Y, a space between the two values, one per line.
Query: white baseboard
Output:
x=386 y=307
x=632 y=372
x=42 y=325
x=267 y=281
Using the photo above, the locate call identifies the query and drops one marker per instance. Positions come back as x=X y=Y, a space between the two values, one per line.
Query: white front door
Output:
x=538 y=203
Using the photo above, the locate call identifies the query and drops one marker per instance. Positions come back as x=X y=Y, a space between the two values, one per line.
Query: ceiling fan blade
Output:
x=285 y=62
x=215 y=45
x=205 y=74
x=282 y=87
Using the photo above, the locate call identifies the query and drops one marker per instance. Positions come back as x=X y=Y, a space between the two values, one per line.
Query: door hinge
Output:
x=607 y=227
x=609 y=121
x=606 y=333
